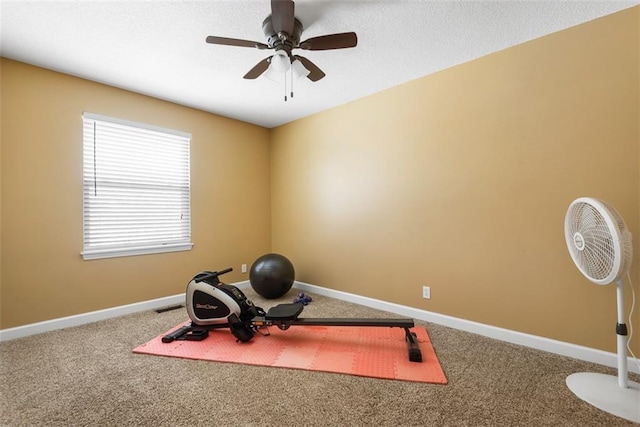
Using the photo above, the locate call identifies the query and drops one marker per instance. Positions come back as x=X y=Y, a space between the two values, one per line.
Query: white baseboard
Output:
x=540 y=343
x=84 y=318
x=95 y=316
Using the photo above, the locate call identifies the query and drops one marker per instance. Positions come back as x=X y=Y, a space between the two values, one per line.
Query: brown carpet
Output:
x=73 y=378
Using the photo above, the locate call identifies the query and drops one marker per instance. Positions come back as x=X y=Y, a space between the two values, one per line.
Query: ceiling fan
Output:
x=282 y=31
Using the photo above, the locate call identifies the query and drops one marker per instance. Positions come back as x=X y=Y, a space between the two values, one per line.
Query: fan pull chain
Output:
x=291 y=70
x=285 y=87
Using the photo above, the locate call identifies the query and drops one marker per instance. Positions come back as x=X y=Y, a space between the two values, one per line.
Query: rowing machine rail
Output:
x=284 y=316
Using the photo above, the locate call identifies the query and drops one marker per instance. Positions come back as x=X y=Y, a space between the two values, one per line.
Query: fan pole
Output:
x=621 y=332
x=619 y=396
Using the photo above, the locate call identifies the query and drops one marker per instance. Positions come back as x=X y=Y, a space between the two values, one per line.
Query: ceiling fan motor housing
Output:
x=283 y=40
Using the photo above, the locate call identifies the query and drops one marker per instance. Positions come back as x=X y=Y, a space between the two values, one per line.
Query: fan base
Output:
x=603 y=392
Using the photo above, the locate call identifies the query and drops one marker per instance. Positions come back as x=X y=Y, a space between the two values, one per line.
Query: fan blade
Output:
x=331 y=41
x=315 y=73
x=258 y=69
x=226 y=41
x=282 y=16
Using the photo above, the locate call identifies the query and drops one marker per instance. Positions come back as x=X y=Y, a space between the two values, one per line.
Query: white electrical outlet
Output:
x=426 y=292
x=244 y=268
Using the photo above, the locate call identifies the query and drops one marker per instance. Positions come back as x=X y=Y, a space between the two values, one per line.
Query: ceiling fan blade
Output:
x=315 y=73
x=330 y=41
x=258 y=69
x=226 y=41
x=282 y=15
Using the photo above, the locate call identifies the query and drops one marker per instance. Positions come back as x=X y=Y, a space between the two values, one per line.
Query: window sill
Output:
x=90 y=254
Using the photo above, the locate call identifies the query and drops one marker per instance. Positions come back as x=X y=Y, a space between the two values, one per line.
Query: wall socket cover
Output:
x=426 y=292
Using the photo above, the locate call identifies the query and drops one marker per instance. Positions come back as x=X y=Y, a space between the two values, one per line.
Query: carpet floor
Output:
x=89 y=376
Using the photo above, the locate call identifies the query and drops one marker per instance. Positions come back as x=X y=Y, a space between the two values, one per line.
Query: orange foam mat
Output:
x=377 y=352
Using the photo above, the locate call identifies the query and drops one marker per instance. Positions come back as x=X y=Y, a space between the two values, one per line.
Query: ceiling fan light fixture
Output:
x=280 y=62
x=299 y=71
x=273 y=75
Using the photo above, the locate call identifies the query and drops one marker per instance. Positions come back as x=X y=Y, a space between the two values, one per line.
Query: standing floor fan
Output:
x=600 y=245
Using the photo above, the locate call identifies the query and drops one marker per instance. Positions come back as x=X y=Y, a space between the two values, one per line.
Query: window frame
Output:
x=139 y=247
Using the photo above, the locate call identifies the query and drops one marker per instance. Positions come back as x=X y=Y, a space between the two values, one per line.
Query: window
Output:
x=135 y=189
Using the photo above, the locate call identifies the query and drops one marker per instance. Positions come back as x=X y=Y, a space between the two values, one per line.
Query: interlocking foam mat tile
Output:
x=377 y=352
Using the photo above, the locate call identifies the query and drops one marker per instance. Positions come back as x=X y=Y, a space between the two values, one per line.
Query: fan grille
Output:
x=625 y=240
x=598 y=240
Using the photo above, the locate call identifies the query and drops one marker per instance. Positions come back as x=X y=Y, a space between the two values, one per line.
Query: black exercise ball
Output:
x=272 y=276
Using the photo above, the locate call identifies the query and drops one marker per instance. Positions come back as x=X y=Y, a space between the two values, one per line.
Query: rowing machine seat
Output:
x=284 y=312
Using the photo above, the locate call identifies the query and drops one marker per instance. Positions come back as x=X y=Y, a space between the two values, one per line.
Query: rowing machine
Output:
x=212 y=304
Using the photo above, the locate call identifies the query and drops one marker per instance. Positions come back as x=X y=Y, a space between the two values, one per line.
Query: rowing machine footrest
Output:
x=284 y=312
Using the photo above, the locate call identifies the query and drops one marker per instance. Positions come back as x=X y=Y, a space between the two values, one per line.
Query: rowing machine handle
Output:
x=213 y=275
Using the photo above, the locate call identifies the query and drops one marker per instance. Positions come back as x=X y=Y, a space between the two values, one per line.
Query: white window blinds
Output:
x=135 y=188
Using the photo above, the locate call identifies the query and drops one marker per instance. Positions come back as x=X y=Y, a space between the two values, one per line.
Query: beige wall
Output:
x=460 y=180
x=43 y=275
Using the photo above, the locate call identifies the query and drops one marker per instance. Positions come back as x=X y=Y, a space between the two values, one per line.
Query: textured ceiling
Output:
x=158 y=47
